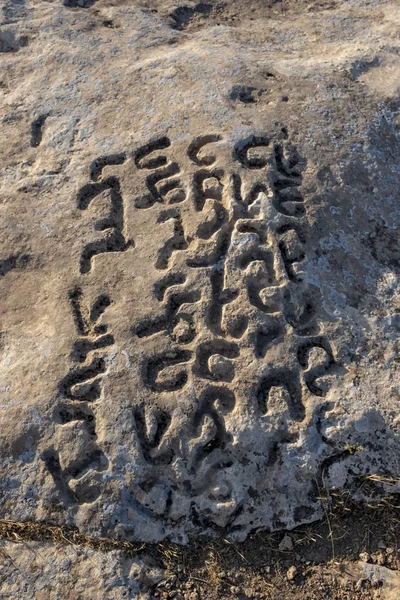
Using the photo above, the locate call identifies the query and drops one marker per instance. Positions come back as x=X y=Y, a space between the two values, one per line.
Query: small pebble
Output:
x=286 y=544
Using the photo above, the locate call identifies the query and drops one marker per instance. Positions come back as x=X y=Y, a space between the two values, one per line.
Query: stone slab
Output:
x=199 y=263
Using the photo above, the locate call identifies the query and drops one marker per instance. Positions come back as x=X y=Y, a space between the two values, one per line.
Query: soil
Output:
x=352 y=554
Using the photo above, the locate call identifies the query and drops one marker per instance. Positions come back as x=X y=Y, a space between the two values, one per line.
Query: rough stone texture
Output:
x=48 y=571
x=43 y=571
x=199 y=262
x=377 y=575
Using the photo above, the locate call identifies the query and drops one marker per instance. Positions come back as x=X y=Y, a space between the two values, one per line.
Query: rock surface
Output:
x=199 y=262
x=48 y=571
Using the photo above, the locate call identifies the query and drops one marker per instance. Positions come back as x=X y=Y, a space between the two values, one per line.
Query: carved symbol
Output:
x=288 y=199
x=164 y=372
x=172 y=313
x=174 y=243
x=246 y=154
x=207 y=184
x=77 y=476
x=112 y=225
x=219 y=298
x=150 y=148
x=151 y=430
x=163 y=185
x=289 y=380
x=246 y=201
x=84 y=383
x=97 y=166
x=214 y=402
x=291 y=247
x=316 y=356
x=211 y=361
x=197 y=145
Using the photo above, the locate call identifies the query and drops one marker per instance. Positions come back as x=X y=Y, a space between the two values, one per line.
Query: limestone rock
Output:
x=38 y=571
x=199 y=262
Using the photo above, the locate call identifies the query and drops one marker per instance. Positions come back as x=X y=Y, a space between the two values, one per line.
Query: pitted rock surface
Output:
x=37 y=570
x=199 y=262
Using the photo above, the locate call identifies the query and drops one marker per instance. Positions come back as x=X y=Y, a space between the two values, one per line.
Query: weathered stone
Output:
x=199 y=263
x=40 y=571
x=364 y=574
x=286 y=544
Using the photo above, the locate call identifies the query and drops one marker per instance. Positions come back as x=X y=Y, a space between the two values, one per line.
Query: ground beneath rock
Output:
x=352 y=553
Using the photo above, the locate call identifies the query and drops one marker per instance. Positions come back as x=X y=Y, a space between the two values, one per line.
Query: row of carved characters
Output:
x=164 y=182
x=178 y=319
x=223 y=198
x=164 y=185
x=171 y=370
x=76 y=461
x=160 y=439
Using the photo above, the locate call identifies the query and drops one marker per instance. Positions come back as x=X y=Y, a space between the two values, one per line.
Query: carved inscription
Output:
x=75 y=466
x=109 y=228
x=234 y=282
x=247 y=258
x=237 y=326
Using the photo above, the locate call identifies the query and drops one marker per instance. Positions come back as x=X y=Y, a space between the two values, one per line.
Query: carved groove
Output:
x=157 y=194
x=97 y=166
x=150 y=443
x=288 y=380
x=112 y=224
x=242 y=152
x=167 y=321
x=197 y=144
x=214 y=347
x=154 y=366
x=200 y=195
x=174 y=243
x=87 y=381
x=152 y=163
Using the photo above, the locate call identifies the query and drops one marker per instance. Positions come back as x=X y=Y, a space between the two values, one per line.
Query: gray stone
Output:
x=39 y=571
x=199 y=263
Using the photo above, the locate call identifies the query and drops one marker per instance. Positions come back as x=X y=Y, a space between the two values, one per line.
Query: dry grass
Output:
x=15 y=531
x=347 y=529
x=339 y=508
